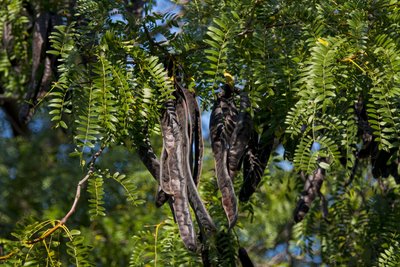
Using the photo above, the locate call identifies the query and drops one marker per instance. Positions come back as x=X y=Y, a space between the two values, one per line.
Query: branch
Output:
x=153 y=44
x=71 y=211
x=45 y=234
x=81 y=183
x=5 y=257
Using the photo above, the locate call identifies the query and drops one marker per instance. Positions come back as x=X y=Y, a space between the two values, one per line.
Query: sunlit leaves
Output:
x=217 y=39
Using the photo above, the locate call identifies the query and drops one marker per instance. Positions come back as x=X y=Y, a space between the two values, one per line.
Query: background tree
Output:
x=323 y=82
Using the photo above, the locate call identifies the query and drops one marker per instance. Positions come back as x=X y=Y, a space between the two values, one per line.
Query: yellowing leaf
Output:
x=323 y=42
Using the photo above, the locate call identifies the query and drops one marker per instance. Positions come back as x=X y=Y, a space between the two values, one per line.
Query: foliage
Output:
x=323 y=81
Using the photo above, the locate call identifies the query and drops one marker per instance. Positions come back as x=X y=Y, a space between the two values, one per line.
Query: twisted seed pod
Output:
x=240 y=136
x=221 y=127
x=186 y=118
x=195 y=140
x=178 y=173
x=254 y=163
x=170 y=131
x=173 y=126
x=194 y=133
x=312 y=188
x=229 y=112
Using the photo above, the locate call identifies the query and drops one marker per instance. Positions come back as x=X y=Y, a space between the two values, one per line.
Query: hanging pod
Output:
x=181 y=162
x=255 y=161
x=312 y=188
x=192 y=153
x=222 y=124
x=173 y=170
x=240 y=136
x=179 y=169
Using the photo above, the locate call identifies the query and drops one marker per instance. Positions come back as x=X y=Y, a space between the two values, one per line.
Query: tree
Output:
x=317 y=83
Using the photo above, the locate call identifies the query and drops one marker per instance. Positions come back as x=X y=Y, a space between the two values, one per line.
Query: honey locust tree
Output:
x=300 y=163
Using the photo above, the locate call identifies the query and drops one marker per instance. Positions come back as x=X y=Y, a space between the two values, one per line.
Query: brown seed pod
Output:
x=254 y=163
x=195 y=135
x=195 y=140
x=179 y=169
x=186 y=118
x=240 y=136
x=312 y=188
x=222 y=122
x=170 y=132
x=173 y=126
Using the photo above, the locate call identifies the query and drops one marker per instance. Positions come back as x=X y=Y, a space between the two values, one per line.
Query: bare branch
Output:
x=80 y=185
x=5 y=257
x=45 y=234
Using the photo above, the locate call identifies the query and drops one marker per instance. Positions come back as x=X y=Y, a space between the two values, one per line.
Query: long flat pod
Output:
x=219 y=129
x=254 y=163
x=195 y=134
x=240 y=136
x=173 y=129
x=202 y=215
x=312 y=188
x=163 y=196
x=170 y=131
x=229 y=112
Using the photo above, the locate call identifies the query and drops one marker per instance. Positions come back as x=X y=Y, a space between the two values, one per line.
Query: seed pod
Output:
x=195 y=134
x=312 y=188
x=254 y=163
x=229 y=112
x=195 y=139
x=240 y=136
x=221 y=127
x=181 y=132
x=184 y=115
x=173 y=126
x=170 y=131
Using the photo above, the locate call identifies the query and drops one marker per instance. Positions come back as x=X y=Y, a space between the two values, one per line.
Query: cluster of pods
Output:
x=234 y=143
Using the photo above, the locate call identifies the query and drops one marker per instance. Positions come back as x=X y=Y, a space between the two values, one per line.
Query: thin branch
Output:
x=45 y=234
x=73 y=207
x=80 y=184
x=153 y=43
x=5 y=257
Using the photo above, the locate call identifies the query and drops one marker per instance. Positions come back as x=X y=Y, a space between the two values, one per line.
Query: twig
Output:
x=152 y=42
x=80 y=184
x=45 y=234
x=70 y=212
x=5 y=257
